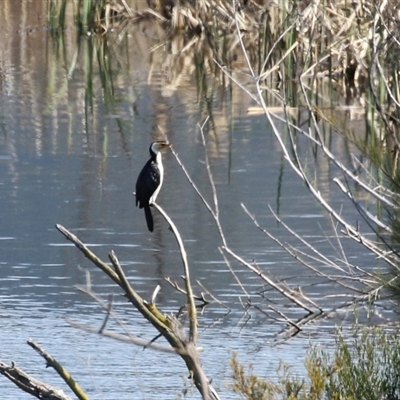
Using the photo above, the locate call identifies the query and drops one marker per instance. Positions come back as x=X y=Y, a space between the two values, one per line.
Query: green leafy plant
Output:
x=365 y=365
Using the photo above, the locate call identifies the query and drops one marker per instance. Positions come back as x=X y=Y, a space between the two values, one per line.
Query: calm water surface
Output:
x=70 y=155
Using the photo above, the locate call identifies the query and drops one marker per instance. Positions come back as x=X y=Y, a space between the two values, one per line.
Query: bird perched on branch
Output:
x=150 y=179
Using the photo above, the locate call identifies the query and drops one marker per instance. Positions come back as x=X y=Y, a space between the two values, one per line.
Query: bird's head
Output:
x=159 y=145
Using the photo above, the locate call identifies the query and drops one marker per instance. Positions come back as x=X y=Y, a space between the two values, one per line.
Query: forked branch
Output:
x=168 y=326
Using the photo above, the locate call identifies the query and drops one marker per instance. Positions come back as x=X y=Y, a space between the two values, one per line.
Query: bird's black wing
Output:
x=147 y=182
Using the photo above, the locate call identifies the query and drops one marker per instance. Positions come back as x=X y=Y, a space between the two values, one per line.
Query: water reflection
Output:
x=77 y=115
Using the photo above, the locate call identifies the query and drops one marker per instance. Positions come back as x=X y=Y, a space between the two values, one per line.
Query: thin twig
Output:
x=269 y=281
x=189 y=291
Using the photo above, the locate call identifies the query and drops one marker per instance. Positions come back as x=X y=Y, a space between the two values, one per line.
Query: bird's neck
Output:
x=156 y=157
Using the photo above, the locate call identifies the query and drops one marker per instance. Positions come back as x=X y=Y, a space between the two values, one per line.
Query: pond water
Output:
x=74 y=134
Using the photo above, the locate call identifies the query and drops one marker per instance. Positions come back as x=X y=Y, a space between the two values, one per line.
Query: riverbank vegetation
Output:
x=364 y=367
x=315 y=70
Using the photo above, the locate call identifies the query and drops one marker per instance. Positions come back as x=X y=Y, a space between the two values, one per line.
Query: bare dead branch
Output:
x=122 y=338
x=189 y=291
x=201 y=284
x=270 y=282
x=31 y=385
x=64 y=374
x=213 y=211
x=168 y=326
x=89 y=254
x=176 y=286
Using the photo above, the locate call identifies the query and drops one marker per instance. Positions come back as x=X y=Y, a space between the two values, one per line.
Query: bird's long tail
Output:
x=149 y=218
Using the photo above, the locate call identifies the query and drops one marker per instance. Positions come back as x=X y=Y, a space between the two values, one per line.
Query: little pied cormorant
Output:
x=150 y=179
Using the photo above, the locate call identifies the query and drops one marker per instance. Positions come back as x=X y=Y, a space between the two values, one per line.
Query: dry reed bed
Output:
x=330 y=37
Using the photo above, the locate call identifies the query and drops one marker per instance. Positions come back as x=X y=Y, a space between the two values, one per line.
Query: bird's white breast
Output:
x=161 y=169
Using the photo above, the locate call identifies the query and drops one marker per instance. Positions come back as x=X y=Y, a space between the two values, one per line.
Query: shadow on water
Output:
x=83 y=97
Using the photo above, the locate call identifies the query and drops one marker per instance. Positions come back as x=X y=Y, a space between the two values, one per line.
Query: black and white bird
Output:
x=150 y=180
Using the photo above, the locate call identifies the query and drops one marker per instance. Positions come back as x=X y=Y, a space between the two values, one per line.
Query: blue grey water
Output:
x=65 y=161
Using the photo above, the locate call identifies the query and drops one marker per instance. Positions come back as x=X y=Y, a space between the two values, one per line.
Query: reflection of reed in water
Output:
x=110 y=47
